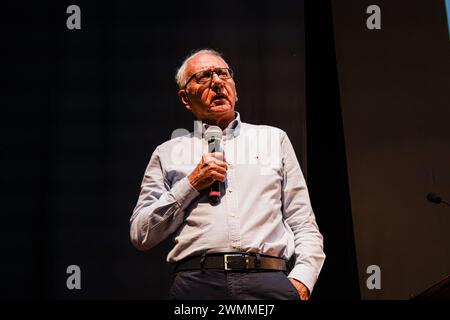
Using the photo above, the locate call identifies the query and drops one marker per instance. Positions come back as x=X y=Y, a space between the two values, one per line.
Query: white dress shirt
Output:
x=265 y=208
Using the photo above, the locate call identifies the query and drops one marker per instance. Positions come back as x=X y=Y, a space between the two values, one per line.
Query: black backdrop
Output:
x=83 y=110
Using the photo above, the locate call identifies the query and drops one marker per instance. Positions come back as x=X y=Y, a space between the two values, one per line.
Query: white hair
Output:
x=181 y=76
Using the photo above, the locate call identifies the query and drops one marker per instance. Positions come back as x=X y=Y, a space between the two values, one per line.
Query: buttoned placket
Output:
x=231 y=197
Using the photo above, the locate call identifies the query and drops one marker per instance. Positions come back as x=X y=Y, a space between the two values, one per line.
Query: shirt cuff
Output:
x=305 y=275
x=184 y=192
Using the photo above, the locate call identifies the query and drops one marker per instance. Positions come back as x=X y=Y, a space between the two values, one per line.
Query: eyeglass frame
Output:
x=213 y=71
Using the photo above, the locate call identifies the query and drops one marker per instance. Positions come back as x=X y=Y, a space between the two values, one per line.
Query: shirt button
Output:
x=230 y=190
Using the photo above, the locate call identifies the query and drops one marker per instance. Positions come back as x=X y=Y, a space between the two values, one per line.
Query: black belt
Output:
x=232 y=262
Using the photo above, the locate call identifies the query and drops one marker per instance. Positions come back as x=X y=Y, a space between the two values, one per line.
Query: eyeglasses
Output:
x=203 y=77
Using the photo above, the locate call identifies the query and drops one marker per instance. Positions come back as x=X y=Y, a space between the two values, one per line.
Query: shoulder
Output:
x=169 y=144
x=174 y=144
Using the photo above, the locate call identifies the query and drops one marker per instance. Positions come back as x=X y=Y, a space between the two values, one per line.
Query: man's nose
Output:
x=216 y=80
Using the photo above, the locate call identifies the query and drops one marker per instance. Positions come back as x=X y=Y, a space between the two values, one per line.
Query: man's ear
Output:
x=182 y=94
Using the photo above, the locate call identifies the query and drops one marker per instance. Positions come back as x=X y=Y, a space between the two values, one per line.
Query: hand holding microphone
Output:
x=211 y=170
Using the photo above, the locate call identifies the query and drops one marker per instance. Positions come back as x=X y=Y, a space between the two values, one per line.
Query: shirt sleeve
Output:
x=298 y=213
x=160 y=207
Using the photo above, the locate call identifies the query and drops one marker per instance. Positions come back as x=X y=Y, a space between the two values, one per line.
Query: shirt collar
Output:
x=232 y=130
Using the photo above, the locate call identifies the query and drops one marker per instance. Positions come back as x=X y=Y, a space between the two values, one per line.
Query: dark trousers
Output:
x=221 y=285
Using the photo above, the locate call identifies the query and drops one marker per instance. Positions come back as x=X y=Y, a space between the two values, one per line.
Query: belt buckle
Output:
x=235 y=262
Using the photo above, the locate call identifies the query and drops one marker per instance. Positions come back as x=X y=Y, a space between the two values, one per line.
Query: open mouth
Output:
x=219 y=98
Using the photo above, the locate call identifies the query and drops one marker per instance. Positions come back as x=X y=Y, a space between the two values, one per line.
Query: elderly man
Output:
x=238 y=248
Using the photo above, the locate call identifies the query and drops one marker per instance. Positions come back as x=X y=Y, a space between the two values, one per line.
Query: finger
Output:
x=214 y=168
x=218 y=177
x=209 y=158
x=218 y=169
x=221 y=164
x=218 y=155
x=212 y=160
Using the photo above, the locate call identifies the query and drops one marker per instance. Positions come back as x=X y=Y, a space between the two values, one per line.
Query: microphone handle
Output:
x=215 y=189
x=214 y=193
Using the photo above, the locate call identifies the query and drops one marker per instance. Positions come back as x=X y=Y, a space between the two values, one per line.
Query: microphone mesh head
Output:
x=213 y=133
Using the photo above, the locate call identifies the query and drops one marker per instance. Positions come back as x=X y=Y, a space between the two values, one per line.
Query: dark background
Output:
x=88 y=107
x=83 y=110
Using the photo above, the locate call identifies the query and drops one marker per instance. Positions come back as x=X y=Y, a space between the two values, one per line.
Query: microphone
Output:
x=213 y=135
x=433 y=197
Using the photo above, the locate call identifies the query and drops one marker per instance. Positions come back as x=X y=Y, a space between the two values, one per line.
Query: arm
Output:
x=297 y=212
x=160 y=207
